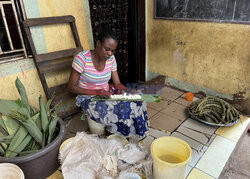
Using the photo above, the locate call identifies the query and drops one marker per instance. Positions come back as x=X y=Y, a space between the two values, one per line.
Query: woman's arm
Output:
x=73 y=88
x=116 y=81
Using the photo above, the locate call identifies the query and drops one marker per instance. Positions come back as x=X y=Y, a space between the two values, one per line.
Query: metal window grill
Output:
x=11 y=40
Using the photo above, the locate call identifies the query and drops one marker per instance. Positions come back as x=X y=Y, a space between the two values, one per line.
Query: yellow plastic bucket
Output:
x=170 y=157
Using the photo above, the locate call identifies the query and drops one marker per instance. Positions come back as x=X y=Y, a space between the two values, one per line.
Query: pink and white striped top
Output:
x=91 y=78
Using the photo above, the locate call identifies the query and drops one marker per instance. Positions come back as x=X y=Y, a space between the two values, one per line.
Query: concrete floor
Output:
x=238 y=166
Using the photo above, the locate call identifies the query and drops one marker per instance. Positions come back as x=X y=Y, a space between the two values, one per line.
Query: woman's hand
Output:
x=117 y=89
x=120 y=88
x=103 y=93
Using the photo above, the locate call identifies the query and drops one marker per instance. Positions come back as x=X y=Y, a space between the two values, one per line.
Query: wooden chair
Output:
x=44 y=62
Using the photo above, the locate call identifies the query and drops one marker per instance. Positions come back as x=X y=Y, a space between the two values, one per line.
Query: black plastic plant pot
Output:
x=42 y=163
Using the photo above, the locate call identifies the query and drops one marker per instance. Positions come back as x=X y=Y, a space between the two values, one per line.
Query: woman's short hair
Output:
x=106 y=33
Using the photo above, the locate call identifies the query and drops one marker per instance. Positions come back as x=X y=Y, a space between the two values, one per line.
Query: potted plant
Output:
x=30 y=138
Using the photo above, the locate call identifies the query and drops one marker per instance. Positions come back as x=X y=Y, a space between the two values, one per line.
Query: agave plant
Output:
x=23 y=128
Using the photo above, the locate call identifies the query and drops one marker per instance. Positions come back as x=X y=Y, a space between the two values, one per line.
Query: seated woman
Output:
x=91 y=72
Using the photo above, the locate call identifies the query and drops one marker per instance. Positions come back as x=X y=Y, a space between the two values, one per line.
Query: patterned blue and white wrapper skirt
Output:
x=119 y=117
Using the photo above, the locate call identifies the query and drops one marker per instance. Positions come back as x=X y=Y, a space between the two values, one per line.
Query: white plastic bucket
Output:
x=95 y=127
x=10 y=171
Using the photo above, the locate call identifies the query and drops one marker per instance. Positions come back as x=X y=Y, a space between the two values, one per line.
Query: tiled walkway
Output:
x=211 y=146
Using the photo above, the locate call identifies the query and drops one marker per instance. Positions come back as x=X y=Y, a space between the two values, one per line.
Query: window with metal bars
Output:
x=11 y=38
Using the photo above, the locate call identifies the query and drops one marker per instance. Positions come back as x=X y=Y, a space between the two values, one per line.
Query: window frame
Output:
x=19 y=15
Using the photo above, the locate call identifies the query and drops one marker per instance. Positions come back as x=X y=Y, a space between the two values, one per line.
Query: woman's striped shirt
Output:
x=91 y=78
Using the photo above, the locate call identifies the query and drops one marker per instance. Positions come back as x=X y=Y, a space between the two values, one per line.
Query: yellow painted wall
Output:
x=212 y=55
x=59 y=37
x=28 y=76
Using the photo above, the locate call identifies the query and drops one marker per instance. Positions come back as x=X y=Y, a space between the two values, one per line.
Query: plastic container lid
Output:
x=65 y=142
x=10 y=171
x=119 y=138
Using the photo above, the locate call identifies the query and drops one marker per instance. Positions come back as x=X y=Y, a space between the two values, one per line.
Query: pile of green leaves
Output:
x=24 y=129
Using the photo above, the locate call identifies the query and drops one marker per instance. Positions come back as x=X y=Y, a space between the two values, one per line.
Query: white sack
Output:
x=83 y=157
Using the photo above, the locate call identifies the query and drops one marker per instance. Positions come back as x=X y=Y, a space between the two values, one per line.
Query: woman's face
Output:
x=106 y=49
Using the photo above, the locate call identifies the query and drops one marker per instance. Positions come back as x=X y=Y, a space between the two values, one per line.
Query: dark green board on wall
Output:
x=233 y=11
